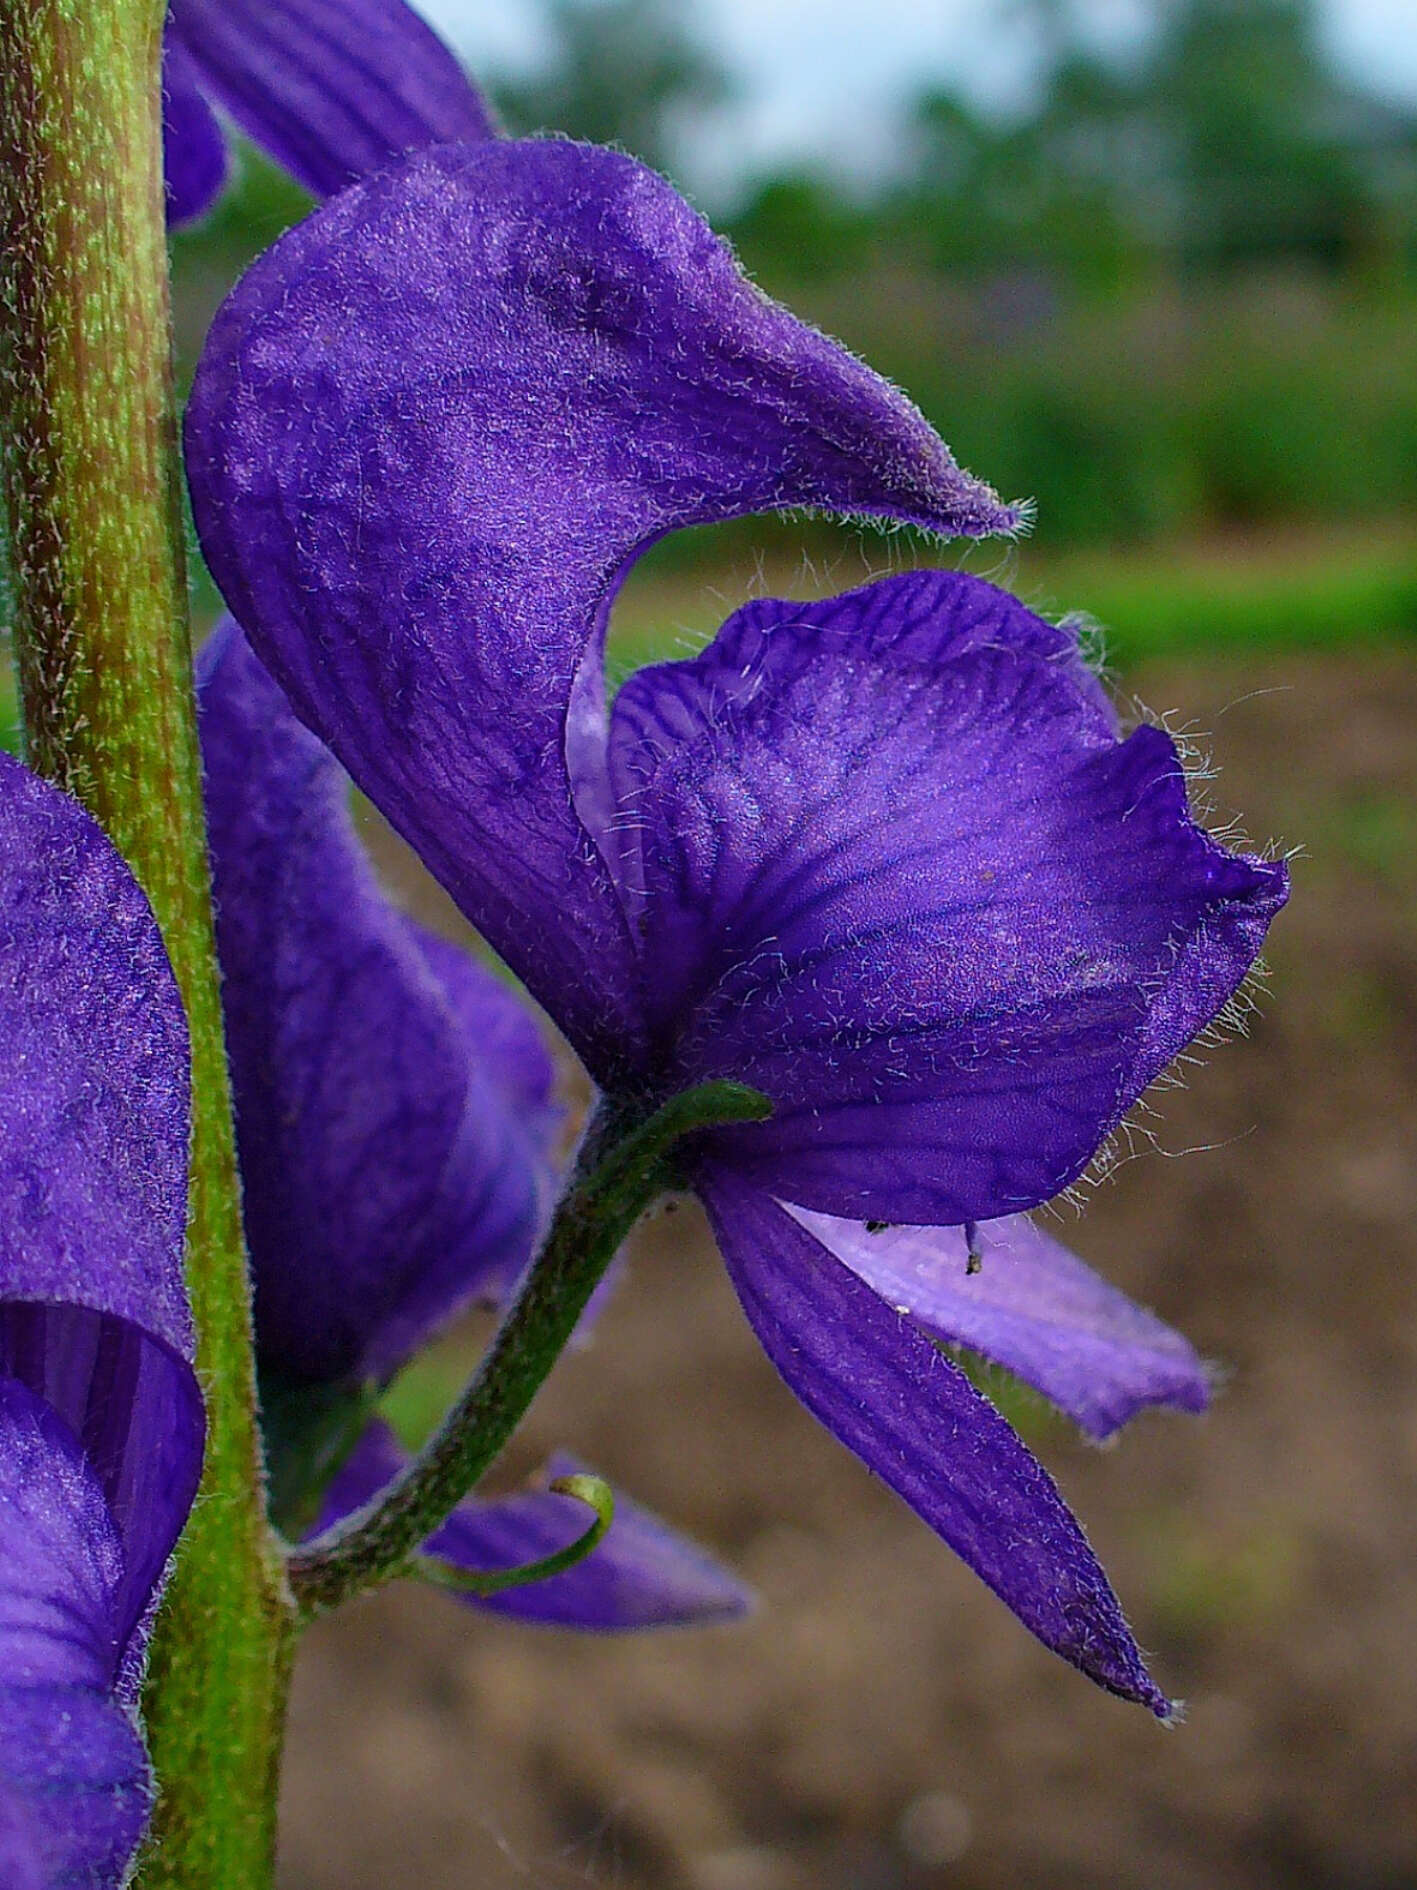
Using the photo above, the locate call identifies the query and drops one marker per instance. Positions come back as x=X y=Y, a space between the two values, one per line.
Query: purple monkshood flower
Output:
x=886 y=857
x=395 y=1121
x=330 y=89
x=100 y=1415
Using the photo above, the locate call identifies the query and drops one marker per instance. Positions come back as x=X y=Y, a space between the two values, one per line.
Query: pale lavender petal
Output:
x=896 y=869
x=1031 y=1307
x=432 y=428
x=891 y=1396
x=194 y=149
x=331 y=89
x=93 y=1168
x=641 y=1575
x=388 y=1176
x=75 y=1791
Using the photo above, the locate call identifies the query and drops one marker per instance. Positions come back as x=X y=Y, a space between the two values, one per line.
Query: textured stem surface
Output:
x=101 y=639
x=623 y=1166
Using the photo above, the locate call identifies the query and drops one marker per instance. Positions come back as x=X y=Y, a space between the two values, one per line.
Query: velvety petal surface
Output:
x=331 y=89
x=1032 y=1307
x=430 y=430
x=641 y=1575
x=392 y=1097
x=21 y=1866
x=73 y=1777
x=62 y=1567
x=93 y=1072
x=93 y=1168
x=873 y=1378
x=194 y=149
x=510 y=1041
x=895 y=868
x=75 y=1790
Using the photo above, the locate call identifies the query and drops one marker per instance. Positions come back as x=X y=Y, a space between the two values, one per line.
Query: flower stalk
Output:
x=102 y=647
x=592 y=1491
x=623 y=1166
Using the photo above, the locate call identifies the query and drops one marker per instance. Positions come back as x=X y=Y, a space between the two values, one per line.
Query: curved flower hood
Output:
x=432 y=427
x=887 y=858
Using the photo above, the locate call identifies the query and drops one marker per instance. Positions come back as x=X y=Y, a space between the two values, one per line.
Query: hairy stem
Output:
x=623 y=1166
x=102 y=643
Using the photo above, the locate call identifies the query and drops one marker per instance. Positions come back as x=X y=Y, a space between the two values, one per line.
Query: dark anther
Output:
x=974 y=1259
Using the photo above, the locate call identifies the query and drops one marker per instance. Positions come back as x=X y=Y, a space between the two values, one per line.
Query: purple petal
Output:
x=137 y=1409
x=73 y=1776
x=1032 y=1307
x=877 y=1383
x=331 y=89
x=641 y=1575
x=432 y=428
x=495 y=1197
x=93 y=1073
x=194 y=150
x=63 y=1561
x=93 y=1168
x=896 y=870
x=511 y=1044
x=75 y=1791
x=21 y=1865
x=387 y=1176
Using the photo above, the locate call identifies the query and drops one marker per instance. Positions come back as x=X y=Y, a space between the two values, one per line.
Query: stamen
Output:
x=974 y=1259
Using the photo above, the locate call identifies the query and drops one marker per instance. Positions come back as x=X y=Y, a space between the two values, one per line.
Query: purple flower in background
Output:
x=394 y=1112
x=886 y=858
x=100 y=1414
x=330 y=89
x=394 y=1121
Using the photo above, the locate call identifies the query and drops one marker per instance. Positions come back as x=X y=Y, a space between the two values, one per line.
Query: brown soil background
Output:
x=883 y=1723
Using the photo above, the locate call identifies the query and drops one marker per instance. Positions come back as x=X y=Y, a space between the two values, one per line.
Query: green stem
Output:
x=623 y=1166
x=101 y=637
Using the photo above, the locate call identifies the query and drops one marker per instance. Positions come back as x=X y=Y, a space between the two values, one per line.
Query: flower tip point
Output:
x=593 y=1491
x=1022 y=516
x=970 y=508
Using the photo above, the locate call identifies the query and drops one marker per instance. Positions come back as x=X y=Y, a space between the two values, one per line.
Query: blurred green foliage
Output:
x=1175 y=299
x=1227 y=143
x=1169 y=298
x=1374 y=833
x=629 y=73
x=1174 y=410
x=1155 y=606
x=1328 y=591
x=1202 y=1586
